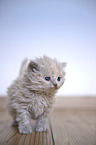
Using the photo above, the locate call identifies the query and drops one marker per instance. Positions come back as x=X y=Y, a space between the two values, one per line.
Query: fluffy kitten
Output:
x=31 y=95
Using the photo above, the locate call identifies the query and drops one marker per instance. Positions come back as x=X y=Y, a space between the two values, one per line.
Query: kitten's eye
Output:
x=47 y=78
x=58 y=79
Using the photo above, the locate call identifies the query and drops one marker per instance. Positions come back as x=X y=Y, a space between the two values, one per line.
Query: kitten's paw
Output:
x=25 y=129
x=41 y=128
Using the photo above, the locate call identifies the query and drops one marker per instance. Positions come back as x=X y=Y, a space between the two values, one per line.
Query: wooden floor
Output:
x=68 y=127
x=10 y=136
x=74 y=128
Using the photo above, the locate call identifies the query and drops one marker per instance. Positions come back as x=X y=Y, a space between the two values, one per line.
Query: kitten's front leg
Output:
x=41 y=124
x=23 y=119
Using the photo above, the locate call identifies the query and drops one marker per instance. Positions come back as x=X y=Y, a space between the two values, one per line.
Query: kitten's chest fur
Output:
x=39 y=105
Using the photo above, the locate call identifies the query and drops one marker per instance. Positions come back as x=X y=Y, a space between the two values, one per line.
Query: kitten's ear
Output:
x=64 y=64
x=33 y=66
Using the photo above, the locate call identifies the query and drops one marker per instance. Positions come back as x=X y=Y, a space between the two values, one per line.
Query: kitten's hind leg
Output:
x=41 y=124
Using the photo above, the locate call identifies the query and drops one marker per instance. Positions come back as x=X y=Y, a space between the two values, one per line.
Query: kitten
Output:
x=31 y=95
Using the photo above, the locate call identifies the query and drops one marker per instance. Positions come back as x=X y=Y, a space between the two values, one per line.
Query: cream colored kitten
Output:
x=31 y=95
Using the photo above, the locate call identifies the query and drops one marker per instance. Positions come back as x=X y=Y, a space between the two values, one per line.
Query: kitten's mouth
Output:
x=54 y=87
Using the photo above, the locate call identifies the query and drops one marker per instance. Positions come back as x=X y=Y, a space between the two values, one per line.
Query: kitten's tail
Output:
x=23 y=66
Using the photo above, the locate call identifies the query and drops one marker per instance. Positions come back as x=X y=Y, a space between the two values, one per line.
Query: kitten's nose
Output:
x=55 y=84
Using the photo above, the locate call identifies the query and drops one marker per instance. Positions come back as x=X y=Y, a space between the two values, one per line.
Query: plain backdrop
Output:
x=62 y=29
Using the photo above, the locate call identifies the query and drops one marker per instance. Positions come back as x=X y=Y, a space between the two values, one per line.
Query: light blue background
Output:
x=64 y=29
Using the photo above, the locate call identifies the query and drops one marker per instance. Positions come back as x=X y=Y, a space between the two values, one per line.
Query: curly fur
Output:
x=31 y=96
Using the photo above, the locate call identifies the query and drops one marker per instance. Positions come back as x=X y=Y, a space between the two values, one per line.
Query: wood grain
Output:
x=10 y=136
x=67 y=126
x=75 y=103
x=74 y=128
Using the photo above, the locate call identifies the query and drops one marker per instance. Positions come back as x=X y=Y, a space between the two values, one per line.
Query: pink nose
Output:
x=55 y=85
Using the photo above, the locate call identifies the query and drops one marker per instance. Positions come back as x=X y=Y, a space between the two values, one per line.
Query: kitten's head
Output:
x=45 y=74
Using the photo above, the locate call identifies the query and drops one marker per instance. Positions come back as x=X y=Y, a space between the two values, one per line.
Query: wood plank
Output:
x=27 y=139
x=70 y=129
x=10 y=135
x=32 y=139
x=36 y=142
x=41 y=138
x=75 y=103
x=89 y=120
x=14 y=140
x=22 y=140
